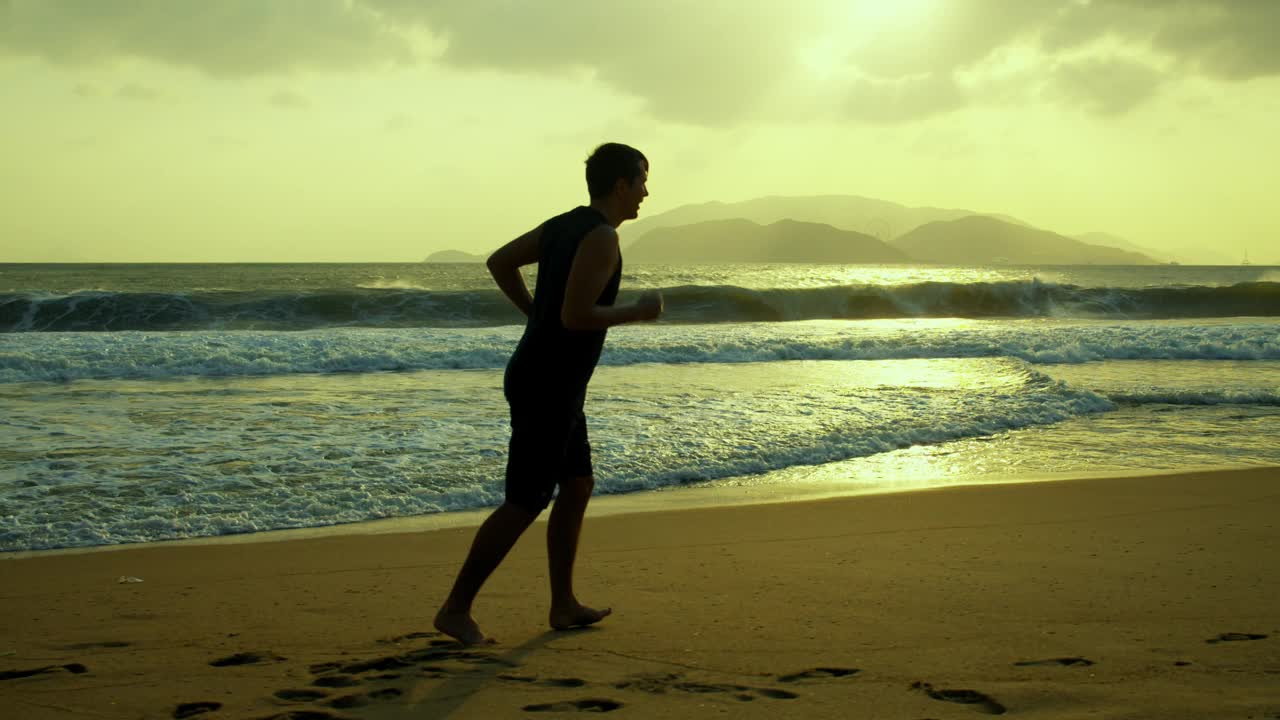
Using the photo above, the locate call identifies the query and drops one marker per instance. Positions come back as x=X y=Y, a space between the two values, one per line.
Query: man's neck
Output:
x=611 y=214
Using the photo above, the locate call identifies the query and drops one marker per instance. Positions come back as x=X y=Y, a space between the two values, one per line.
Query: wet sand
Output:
x=1134 y=597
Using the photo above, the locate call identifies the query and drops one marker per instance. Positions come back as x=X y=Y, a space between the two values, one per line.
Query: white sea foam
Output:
x=119 y=461
x=44 y=357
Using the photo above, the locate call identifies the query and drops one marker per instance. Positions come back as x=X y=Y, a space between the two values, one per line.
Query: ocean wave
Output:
x=399 y=306
x=1174 y=396
x=44 y=357
x=193 y=465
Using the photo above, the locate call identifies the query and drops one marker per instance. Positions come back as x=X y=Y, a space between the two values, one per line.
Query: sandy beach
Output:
x=1142 y=597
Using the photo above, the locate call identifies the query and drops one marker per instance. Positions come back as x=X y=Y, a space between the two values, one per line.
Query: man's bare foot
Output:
x=577 y=616
x=460 y=627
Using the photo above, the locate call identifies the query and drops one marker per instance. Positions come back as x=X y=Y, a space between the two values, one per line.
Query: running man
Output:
x=579 y=269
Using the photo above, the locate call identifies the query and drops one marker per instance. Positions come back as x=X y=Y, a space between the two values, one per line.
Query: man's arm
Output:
x=505 y=263
x=593 y=265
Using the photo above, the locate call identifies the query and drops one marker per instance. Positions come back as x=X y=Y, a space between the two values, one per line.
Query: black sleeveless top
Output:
x=552 y=361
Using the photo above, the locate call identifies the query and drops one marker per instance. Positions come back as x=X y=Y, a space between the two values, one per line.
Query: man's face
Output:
x=635 y=192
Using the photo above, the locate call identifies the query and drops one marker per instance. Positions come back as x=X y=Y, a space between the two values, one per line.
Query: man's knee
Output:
x=578 y=487
x=520 y=512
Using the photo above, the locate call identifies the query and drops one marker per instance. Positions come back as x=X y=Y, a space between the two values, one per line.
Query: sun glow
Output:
x=877 y=16
x=857 y=24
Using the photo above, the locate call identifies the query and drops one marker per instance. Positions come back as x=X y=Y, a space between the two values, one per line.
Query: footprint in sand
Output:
x=336 y=681
x=550 y=682
x=350 y=674
x=587 y=705
x=410 y=636
x=192 y=709
x=423 y=661
x=247 y=658
x=821 y=673
x=73 y=668
x=300 y=695
x=304 y=715
x=982 y=703
x=1065 y=661
x=1236 y=637
x=101 y=644
x=661 y=683
x=353 y=701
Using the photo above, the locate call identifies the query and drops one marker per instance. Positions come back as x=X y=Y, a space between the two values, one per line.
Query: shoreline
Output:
x=1122 y=597
x=815 y=482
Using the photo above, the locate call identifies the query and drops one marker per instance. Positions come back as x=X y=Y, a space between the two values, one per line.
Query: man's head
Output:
x=617 y=172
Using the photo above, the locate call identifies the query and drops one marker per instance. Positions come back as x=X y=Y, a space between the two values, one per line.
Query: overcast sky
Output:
x=383 y=130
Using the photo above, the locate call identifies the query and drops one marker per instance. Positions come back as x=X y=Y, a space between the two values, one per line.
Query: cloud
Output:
x=1225 y=39
x=713 y=63
x=289 y=100
x=1106 y=86
x=398 y=122
x=716 y=63
x=140 y=93
x=949 y=36
x=889 y=101
x=705 y=63
x=225 y=38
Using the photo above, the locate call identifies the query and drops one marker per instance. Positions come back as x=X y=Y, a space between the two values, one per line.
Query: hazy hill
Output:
x=738 y=240
x=454 y=256
x=878 y=218
x=979 y=240
x=1115 y=241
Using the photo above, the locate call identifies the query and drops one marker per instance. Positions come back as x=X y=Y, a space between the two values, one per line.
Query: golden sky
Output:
x=383 y=130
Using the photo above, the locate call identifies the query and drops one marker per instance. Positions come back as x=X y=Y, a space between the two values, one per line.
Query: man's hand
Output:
x=650 y=305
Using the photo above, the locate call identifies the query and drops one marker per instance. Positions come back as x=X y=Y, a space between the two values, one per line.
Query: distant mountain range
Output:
x=1109 y=240
x=852 y=229
x=454 y=256
x=878 y=218
x=984 y=240
x=740 y=240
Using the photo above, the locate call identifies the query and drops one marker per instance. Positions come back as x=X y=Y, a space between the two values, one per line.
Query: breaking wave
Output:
x=407 y=307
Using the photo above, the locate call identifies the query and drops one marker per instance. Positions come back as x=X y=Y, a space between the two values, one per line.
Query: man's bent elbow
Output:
x=576 y=320
x=498 y=266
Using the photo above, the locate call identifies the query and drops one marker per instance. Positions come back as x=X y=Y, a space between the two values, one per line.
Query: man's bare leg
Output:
x=563 y=529
x=495 y=538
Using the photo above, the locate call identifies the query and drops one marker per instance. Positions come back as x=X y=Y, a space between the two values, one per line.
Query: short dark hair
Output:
x=610 y=163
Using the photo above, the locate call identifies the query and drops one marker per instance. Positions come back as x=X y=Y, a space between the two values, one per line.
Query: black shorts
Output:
x=548 y=444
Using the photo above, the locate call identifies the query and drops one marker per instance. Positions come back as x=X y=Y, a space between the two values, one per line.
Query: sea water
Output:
x=154 y=402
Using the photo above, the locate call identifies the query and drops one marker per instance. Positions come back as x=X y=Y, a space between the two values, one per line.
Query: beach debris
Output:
x=123 y=579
